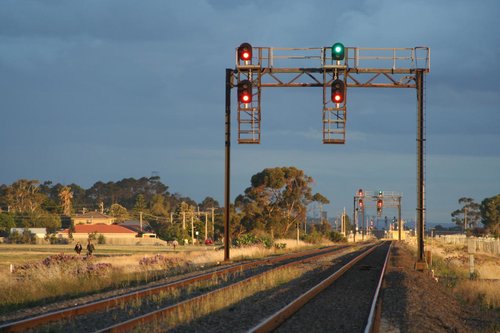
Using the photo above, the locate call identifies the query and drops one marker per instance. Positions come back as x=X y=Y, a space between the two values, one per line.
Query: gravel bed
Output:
x=249 y=312
x=345 y=305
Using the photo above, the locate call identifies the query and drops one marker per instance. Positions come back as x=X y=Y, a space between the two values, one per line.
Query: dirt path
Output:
x=413 y=301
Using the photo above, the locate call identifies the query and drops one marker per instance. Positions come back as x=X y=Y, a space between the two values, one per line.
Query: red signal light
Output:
x=245 y=91
x=360 y=203
x=338 y=91
x=245 y=52
x=380 y=203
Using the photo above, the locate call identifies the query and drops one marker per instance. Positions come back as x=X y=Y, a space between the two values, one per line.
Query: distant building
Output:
x=39 y=233
x=136 y=225
x=92 y=218
x=109 y=231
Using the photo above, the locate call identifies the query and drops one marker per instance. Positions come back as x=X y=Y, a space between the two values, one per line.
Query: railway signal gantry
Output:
x=335 y=69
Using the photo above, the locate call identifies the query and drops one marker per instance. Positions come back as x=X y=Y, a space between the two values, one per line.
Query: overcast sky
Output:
x=100 y=90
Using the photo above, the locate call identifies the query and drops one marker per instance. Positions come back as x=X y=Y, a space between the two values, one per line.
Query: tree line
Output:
x=275 y=203
x=31 y=203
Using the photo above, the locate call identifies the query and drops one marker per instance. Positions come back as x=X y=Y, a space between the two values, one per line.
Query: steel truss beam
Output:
x=314 y=67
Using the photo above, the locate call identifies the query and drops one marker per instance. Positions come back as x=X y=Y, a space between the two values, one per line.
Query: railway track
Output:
x=343 y=302
x=59 y=320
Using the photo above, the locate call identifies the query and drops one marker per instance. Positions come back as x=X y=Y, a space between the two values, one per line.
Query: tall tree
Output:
x=6 y=223
x=23 y=196
x=159 y=207
x=277 y=199
x=65 y=195
x=140 y=204
x=209 y=203
x=490 y=214
x=468 y=215
x=119 y=212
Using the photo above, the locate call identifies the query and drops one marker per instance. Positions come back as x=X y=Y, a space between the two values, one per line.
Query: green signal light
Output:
x=338 y=51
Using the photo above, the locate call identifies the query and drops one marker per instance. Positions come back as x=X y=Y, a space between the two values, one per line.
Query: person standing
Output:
x=78 y=248
x=90 y=248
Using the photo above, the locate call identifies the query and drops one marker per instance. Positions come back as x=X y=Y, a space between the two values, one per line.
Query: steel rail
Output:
x=24 y=324
x=161 y=313
x=275 y=320
x=371 y=316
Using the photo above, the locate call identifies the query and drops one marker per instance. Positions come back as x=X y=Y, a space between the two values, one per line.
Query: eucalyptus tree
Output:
x=468 y=215
x=276 y=200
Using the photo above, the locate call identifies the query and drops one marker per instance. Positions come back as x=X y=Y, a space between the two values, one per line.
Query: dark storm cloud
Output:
x=139 y=85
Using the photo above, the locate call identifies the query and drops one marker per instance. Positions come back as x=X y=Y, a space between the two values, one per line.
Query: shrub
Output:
x=313 y=237
x=101 y=239
x=251 y=239
x=336 y=236
x=162 y=262
x=62 y=265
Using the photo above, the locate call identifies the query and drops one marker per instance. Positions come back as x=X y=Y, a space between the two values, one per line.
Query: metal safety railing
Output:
x=357 y=58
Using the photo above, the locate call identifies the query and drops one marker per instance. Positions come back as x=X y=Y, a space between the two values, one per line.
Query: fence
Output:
x=486 y=245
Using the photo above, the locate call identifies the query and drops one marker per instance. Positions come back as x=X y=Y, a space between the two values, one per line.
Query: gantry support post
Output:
x=227 y=172
x=420 y=168
x=400 y=223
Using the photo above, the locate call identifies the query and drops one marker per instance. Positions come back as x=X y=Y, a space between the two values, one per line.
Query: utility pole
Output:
x=206 y=225
x=465 y=219
x=140 y=220
x=213 y=223
x=192 y=227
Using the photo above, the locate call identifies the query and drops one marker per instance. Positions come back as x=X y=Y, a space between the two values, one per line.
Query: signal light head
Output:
x=338 y=91
x=245 y=52
x=360 y=203
x=245 y=91
x=360 y=192
x=338 y=51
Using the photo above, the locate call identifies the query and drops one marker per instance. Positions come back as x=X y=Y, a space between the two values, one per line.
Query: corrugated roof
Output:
x=101 y=229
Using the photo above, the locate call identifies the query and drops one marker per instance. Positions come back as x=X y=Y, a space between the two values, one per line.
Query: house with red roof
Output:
x=113 y=234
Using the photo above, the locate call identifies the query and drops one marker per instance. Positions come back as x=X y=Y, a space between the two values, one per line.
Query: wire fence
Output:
x=481 y=244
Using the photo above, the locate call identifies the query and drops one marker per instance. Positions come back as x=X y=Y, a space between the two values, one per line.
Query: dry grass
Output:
x=483 y=292
x=452 y=263
x=45 y=284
